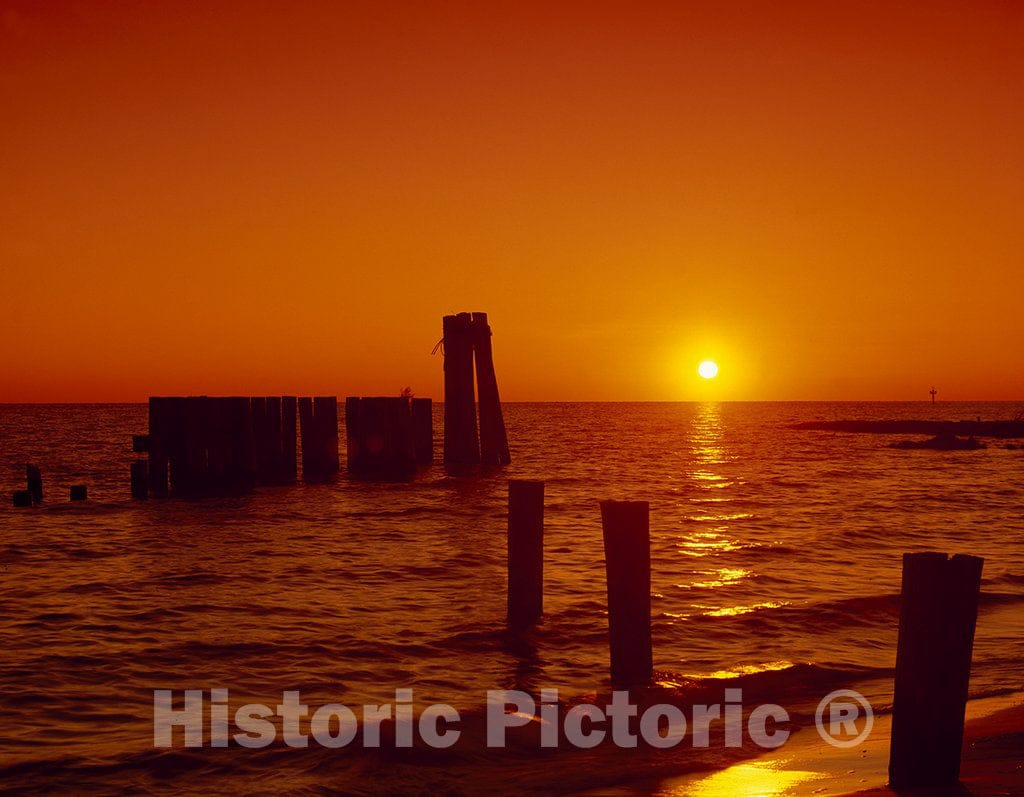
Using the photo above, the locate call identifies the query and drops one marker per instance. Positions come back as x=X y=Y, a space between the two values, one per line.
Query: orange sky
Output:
x=258 y=197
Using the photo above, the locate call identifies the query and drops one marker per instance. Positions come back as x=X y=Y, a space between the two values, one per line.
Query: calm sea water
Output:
x=776 y=565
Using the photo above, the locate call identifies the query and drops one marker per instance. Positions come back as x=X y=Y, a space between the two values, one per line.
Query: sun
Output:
x=708 y=369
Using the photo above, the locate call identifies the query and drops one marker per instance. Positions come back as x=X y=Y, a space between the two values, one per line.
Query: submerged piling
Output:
x=140 y=479
x=525 y=552
x=938 y=614
x=78 y=492
x=627 y=549
x=34 y=480
x=22 y=498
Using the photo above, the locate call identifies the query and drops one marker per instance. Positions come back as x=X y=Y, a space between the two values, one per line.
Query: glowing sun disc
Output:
x=708 y=369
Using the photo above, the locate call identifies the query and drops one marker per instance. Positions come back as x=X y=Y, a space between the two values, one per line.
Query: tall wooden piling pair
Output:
x=626 y=529
x=388 y=437
x=467 y=337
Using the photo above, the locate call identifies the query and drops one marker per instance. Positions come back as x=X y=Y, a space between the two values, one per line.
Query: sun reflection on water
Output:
x=757 y=779
x=710 y=452
x=745 y=669
x=703 y=543
x=732 y=611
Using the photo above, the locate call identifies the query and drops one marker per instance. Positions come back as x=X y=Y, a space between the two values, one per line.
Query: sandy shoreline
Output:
x=993 y=763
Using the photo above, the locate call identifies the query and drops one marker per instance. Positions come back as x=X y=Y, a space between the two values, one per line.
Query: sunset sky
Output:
x=826 y=198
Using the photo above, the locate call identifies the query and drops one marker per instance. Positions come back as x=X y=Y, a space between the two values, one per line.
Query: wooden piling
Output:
x=423 y=430
x=173 y=418
x=318 y=426
x=34 y=481
x=157 y=446
x=938 y=613
x=262 y=440
x=627 y=548
x=288 y=439
x=195 y=473
x=140 y=479
x=240 y=470
x=218 y=447
x=493 y=438
x=78 y=492
x=379 y=437
x=353 y=443
x=525 y=552
x=274 y=448
x=307 y=437
x=325 y=410
x=461 y=442
x=22 y=498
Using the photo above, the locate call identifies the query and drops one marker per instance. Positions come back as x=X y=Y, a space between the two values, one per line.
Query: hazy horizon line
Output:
x=576 y=401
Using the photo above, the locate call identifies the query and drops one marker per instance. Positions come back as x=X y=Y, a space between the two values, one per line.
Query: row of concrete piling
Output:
x=938 y=614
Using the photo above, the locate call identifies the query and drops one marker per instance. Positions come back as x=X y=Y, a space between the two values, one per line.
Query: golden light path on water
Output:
x=756 y=779
x=710 y=453
x=770 y=777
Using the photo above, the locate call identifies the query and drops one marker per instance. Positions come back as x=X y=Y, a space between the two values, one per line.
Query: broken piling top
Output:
x=938 y=612
x=34 y=482
x=467 y=337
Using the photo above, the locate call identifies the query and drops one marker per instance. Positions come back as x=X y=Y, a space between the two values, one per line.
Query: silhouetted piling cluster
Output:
x=467 y=337
x=200 y=445
x=388 y=437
